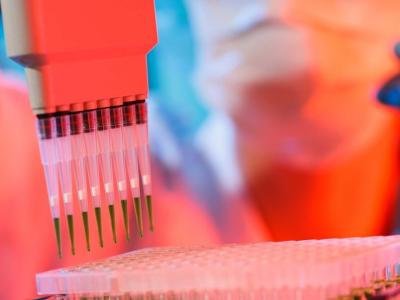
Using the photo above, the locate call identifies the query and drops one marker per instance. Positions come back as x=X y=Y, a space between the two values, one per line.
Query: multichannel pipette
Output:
x=88 y=92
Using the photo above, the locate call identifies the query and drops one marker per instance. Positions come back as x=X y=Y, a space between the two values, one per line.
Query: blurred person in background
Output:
x=317 y=155
x=277 y=137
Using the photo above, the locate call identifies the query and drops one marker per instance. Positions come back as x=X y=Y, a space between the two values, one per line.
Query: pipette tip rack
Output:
x=334 y=269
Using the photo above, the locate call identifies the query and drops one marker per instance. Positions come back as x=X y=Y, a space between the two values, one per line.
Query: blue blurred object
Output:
x=389 y=94
x=397 y=50
x=7 y=64
x=176 y=110
x=182 y=127
x=171 y=66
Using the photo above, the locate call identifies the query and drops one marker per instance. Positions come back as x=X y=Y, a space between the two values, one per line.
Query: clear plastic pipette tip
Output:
x=111 y=210
x=124 y=206
x=85 y=220
x=79 y=155
x=138 y=215
x=64 y=154
x=57 y=229
x=103 y=136
x=97 y=211
x=118 y=149
x=144 y=158
x=46 y=130
x=92 y=150
x=149 y=206
x=132 y=160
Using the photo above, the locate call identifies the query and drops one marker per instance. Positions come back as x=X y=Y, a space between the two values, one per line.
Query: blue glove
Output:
x=389 y=94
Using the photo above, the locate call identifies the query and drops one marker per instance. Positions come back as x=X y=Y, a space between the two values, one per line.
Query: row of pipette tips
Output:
x=97 y=146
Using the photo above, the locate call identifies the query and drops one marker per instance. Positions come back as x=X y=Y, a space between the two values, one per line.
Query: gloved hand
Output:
x=389 y=94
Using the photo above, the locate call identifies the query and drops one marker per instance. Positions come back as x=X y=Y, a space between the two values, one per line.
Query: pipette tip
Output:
x=97 y=211
x=70 y=220
x=112 y=218
x=124 y=205
x=85 y=219
x=150 y=212
x=58 y=235
x=97 y=146
x=138 y=216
